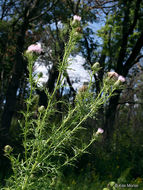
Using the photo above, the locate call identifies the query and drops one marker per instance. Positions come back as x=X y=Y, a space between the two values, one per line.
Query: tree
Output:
x=121 y=48
x=23 y=14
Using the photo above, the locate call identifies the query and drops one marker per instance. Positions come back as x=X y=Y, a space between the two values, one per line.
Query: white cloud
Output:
x=77 y=72
x=78 y=75
x=41 y=68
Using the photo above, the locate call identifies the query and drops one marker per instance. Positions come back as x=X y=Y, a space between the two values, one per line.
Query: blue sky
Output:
x=76 y=71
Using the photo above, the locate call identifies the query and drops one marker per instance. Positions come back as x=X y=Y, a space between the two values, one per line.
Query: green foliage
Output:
x=49 y=145
x=53 y=141
x=122 y=26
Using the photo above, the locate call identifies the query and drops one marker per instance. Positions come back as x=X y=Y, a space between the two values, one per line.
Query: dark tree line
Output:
x=25 y=22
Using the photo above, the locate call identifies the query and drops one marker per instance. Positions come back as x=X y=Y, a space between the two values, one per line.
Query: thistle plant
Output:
x=47 y=143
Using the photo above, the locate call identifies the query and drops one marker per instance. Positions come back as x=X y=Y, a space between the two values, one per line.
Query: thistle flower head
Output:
x=112 y=74
x=34 y=48
x=99 y=131
x=77 y=18
x=121 y=79
x=76 y=21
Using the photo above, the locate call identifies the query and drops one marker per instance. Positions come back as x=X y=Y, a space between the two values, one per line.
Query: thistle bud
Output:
x=41 y=108
x=8 y=149
x=83 y=88
x=77 y=36
x=96 y=67
x=111 y=184
x=79 y=29
x=40 y=75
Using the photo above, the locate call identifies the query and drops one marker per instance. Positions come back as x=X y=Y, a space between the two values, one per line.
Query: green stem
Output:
x=68 y=50
x=28 y=107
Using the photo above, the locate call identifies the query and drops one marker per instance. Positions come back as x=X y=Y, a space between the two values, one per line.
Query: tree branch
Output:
x=70 y=84
x=130 y=102
x=126 y=33
x=137 y=59
x=124 y=40
x=136 y=50
x=45 y=12
x=136 y=14
x=77 y=7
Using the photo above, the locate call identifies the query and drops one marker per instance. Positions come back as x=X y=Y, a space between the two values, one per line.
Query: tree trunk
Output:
x=19 y=66
x=53 y=75
x=110 y=115
x=123 y=69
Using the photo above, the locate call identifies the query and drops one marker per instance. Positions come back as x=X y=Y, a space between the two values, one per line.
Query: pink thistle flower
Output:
x=34 y=48
x=112 y=74
x=77 y=18
x=121 y=79
x=99 y=131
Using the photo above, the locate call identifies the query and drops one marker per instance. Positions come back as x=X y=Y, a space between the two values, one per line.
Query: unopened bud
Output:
x=41 y=108
x=8 y=149
x=40 y=74
x=111 y=184
x=83 y=88
x=96 y=67
x=117 y=83
x=79 y=29
x=35 y=98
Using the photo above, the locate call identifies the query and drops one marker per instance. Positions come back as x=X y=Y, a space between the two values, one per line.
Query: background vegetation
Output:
x=117 y=46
